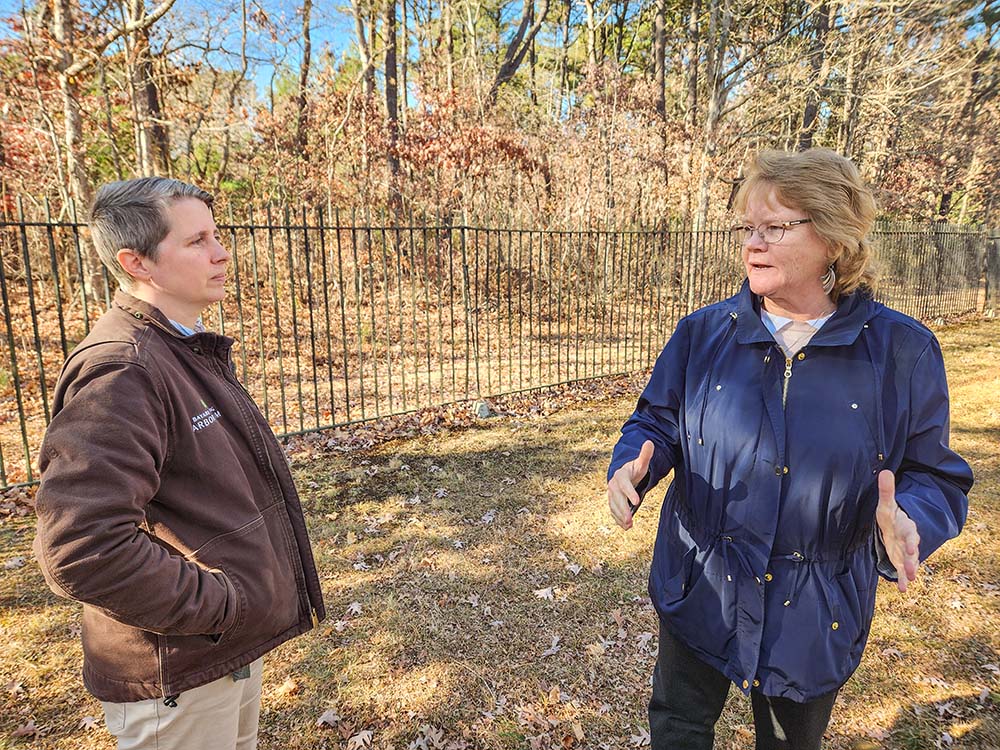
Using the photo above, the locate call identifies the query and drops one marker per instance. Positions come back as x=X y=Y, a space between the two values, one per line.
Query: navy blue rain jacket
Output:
x=765 y=557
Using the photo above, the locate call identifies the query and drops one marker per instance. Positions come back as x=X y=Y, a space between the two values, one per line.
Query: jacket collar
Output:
x=146 y=313
x=842 y=329
x=143 y=311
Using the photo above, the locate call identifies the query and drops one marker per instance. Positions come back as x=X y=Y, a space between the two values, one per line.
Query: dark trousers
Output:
x=688 y=696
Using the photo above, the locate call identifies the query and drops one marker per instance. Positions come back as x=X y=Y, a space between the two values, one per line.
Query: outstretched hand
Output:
x=899 y=532
x=622 y=497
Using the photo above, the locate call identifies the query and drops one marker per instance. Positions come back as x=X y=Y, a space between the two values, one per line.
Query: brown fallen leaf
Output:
x=89 y=722
x=329 y=718
x=26 y=730
x=360 y=740
x=554 y=648
x=14 y=686
x=642 y=739
x=288 y=687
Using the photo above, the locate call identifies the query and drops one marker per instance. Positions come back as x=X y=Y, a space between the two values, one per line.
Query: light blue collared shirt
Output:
x=198 y=327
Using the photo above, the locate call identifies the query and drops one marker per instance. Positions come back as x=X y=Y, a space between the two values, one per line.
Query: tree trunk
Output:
x=819 y=67
x=691 y=103
x=301 y=125
x=392 y=108
x=364 y=51
x=591 y=37
x=63 y=30
x=660 y=79
x=449 y=46
x=720 y=23
x=404 y=67
x=518 y=48
x=563 y=60
x=659 y=57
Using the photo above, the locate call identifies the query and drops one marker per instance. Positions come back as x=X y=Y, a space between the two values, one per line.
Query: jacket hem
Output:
x=111 y=690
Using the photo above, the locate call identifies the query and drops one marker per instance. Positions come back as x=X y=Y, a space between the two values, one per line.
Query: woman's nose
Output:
x=755 y=241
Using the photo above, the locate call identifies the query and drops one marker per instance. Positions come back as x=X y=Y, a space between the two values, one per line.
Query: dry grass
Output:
x=444 y=541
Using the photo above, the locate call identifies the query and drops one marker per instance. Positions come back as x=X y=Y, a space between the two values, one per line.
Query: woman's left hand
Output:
x=899 y=532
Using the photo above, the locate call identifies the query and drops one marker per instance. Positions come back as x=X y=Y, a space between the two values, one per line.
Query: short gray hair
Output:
x=132 y=214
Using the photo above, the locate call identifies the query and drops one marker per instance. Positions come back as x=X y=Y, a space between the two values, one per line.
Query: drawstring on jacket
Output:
x=731 y=548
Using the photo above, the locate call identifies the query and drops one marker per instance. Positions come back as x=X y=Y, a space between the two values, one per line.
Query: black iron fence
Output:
x=339 y=320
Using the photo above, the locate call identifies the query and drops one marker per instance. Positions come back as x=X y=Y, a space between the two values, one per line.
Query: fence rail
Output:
x=339 y=321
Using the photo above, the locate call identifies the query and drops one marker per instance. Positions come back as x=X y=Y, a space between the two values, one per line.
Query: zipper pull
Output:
x=788 y=367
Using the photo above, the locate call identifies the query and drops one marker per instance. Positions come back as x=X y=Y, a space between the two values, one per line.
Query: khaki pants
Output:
x=221 y=715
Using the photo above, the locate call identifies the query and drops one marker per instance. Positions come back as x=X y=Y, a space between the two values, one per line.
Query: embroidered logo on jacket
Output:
x=208 y=417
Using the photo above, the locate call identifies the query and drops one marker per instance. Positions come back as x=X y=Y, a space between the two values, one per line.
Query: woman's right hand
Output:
x=622 y=497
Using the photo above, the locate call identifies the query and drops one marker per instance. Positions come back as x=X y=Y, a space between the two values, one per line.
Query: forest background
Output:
x=550 y=113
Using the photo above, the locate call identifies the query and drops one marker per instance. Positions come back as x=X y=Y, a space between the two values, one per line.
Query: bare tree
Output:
x=73 y=60
x=518 y=47
x=301 y=136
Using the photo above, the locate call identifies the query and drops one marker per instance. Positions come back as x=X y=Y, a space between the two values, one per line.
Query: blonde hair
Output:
x=829 y=190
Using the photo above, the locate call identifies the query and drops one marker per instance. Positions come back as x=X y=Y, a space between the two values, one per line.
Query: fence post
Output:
x=992 y=297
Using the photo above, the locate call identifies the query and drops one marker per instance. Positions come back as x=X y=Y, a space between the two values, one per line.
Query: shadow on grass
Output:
x=961 y=720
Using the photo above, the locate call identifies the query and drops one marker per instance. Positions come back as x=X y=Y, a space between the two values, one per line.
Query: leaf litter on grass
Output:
x=440 y=638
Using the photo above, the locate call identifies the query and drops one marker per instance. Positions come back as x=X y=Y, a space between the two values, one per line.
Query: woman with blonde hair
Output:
x=807 y=429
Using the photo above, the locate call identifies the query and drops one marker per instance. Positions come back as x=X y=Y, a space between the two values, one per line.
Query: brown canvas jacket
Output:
x=167 y=507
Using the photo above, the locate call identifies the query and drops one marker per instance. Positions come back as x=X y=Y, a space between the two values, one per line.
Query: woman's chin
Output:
x=761 y=287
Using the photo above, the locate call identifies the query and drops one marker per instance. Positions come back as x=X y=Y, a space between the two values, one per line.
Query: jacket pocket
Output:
x=669 y=586
x=263 y=569
x=268 y=590
x=849 y=619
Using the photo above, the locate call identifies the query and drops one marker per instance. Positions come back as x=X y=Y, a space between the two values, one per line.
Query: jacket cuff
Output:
x=234 y=603
x=882 y=562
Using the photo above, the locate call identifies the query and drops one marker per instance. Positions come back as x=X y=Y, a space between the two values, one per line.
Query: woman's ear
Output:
x=135 y=265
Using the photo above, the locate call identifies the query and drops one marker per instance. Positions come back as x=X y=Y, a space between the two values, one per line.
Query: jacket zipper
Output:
x=229 y=377
x=784 y=387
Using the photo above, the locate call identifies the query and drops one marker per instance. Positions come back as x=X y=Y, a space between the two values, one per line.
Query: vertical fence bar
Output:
x=451 y=306
x=358 y=291
x=261 y=351
x=343 y=318
x=310 y=303
x=531 y=310
x=55 y=279
x=388 y=312
x=412 y=272
x=324 y=265
x=33 y=310
x=277 y=318
x=84 y=282
x=521 y=278
x=426 y=282
x=480 y=299
x=372 y=302
x=292 y=293
x=14 y=372
x=244 y=354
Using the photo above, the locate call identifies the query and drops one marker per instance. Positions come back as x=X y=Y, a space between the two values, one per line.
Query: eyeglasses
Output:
x=770 y=233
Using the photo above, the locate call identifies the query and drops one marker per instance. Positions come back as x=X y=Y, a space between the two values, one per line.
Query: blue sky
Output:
x=332 y=29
